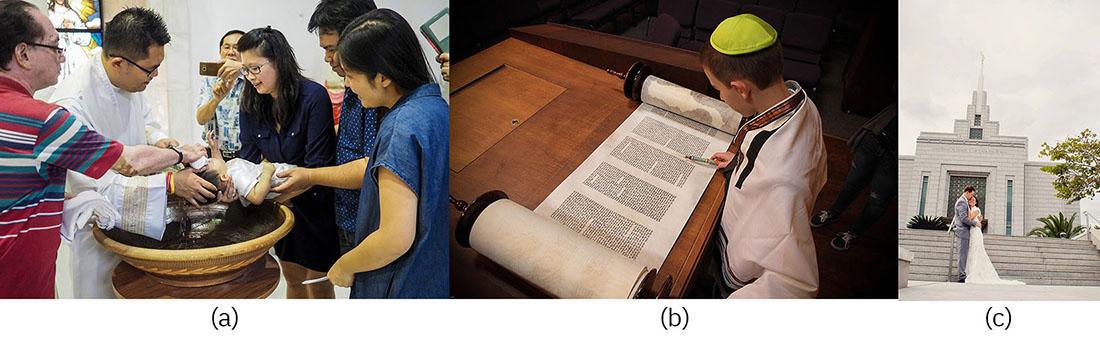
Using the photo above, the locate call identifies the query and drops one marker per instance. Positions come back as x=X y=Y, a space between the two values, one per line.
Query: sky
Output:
x=1042 y=68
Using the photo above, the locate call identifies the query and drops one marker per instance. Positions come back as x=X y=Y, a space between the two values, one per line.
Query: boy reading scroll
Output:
x=764 y=245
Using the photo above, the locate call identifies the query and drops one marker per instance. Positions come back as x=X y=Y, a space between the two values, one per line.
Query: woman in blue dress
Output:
x=286 y=118
x=402 y=234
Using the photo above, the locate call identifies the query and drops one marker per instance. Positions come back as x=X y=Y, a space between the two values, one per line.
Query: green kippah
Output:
x=742 y=34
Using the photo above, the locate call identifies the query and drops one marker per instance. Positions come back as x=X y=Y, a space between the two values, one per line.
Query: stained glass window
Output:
x=80 y=26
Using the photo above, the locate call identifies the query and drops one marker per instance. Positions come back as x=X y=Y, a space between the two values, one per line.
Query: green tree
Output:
x=1057 y=227
x=1076 y=175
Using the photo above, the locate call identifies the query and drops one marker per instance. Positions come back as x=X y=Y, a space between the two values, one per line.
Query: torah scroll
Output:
x=618 y=214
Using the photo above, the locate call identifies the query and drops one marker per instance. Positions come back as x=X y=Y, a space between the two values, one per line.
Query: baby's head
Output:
x=216 y=165
x=215 y=178
x=215 y=173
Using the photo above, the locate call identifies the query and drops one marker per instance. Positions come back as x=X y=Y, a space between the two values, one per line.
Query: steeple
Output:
x=977 y=113
x=978 y=96
x=981 y=71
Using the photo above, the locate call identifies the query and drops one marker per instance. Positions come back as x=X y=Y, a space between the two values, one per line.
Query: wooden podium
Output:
x=526 y=112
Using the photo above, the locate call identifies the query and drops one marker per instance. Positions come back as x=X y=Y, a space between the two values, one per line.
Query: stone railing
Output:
x=1092 y=233
x=905 y=257
x=1094 y=236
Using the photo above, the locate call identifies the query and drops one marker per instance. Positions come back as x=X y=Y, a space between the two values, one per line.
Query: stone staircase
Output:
x=1037 y=261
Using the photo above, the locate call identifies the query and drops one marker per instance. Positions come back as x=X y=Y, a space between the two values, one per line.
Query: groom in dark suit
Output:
x=961 y=224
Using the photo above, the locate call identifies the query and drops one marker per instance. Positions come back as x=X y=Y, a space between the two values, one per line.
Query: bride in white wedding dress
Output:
x=979 y=269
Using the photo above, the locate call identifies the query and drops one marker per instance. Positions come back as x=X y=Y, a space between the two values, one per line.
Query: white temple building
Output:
x=1012 y=191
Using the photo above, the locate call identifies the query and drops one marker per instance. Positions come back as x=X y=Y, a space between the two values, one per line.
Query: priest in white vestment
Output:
x=107 y=95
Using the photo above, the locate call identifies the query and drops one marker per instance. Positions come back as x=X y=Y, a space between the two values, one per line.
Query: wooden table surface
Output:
x=258 y=282
x=573 y=107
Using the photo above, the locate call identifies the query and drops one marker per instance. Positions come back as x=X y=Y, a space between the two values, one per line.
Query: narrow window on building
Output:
x=975 y=133
x=923 y=193
x=977 y=120
x=1008 y=211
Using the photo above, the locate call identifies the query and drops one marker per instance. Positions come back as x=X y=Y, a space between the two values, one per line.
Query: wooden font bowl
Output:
x=198 y=267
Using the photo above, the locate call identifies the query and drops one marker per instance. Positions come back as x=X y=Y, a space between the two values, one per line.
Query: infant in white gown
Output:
x=979 y=269
x=246 y=175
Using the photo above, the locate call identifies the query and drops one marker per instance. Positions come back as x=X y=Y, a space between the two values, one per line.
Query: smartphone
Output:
x=210 y=68
x=438 y=31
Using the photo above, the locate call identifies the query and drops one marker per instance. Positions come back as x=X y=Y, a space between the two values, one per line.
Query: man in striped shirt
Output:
x=38 y=143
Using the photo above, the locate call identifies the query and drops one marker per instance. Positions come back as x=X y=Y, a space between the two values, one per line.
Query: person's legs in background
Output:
x=859 y=175
x=294 y=274
x=323 y=289
x=884 y=187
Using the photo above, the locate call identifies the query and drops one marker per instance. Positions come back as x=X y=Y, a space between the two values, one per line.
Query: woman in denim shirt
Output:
x=286 y=118
x=402 y=229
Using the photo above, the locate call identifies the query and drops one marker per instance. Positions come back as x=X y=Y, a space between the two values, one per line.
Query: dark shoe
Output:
x=822 y=218
x=962 y=279
x=843 y=241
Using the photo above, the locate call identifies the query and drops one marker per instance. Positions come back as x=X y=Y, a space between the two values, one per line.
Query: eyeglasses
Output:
x=148 y=73
x=254 y=70
x=60 y=51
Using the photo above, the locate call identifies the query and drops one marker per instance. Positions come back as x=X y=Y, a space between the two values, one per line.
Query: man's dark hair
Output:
x=331 y=16
x=227 y=34
x=16 y=26
x=133 y=31
x=968 y=188
x=762 y=67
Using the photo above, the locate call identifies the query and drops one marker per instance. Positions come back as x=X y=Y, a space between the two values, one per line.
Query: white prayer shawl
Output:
x=769 y=250
x=142 y=201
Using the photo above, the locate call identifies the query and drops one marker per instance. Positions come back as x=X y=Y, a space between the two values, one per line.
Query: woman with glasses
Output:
x=402 y=224
x=287 y=118
x=219 y=100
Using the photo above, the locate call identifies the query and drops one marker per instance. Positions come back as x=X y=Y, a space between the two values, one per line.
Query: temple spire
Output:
x=981 y=71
